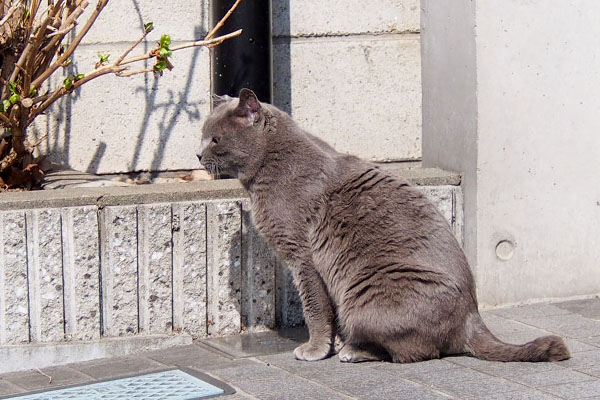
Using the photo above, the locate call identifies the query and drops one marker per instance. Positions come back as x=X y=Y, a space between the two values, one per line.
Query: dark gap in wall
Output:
x=100 y=220
x=137 y=261
x=206 y=259
x=28 y=275
x=64 y=287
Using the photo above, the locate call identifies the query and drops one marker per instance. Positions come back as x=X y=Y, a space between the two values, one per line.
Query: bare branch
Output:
x=222 y=21
x=199 y=43
x=60 y=60
x=210 y=42
x=133 y=46
x=9 y=13
x=134 y=72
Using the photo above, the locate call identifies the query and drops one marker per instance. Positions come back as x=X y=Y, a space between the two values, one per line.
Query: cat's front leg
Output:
x=318 y=313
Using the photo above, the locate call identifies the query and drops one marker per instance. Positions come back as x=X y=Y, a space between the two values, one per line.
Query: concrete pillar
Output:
x=509 y=100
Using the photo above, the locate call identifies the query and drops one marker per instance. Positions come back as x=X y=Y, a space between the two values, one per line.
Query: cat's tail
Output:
x=481 y=343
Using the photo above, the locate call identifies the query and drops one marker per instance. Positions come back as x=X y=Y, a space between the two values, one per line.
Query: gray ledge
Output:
x=176 y=192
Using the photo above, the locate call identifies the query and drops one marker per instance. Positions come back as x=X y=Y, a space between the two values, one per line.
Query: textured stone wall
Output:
x=349 y=72
x=91 y=271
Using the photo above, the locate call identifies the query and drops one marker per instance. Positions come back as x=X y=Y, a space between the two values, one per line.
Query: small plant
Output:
x=34 y=47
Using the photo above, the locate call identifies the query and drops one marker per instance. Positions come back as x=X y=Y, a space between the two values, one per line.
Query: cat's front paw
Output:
x=310 y=352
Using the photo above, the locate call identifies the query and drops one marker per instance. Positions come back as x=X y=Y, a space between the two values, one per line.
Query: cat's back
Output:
x=373 y=220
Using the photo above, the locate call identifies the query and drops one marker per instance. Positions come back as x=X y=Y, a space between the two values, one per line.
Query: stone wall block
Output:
x=325 y=18
x=123 y=20
x=258 y=276
x=321 y=96
x=45 y=275
x=442 y=198
x=288 y=303
x=14 y=312
x=154 y=269
x=118 y=270
x=81 y=268
x=224 y=279
x=189 y=268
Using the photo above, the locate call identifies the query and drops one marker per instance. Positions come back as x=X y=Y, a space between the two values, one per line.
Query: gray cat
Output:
x=373 y=259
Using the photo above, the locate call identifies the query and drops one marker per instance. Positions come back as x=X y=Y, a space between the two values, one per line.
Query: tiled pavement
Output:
x=280 y=376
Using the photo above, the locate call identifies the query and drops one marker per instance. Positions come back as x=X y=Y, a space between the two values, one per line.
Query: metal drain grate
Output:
x=171 y=385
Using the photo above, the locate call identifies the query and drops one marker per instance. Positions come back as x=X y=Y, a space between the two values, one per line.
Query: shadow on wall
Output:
x=282 y=62
x=60 y=134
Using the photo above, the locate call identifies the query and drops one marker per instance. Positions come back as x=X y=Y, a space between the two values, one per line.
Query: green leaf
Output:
x=68 y=83
x=27 y=13
x=6 y=105
x=12 y=86
x=103 y=57
x=32 y=91
x=67 y=62
x=165 y=41
x=164 y=53
x=149 y=27
x=14 y=98
x=160 y=66
x=79 y=77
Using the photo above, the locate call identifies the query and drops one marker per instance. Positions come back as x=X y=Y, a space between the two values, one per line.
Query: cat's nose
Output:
x=199 y=157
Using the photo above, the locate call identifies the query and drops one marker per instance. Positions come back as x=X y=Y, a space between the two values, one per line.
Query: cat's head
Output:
x=233 y=142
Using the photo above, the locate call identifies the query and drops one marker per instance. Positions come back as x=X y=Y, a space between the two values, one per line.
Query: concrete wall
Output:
x=349 y=72
x=531 y=193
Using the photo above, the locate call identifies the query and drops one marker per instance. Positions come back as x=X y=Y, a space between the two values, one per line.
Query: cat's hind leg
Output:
x=410 y=348
x=353 y=353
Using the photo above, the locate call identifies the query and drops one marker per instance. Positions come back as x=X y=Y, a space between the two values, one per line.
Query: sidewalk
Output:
x=280 y=376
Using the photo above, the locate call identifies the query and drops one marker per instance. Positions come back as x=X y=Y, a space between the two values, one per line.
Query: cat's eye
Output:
x=215 y=140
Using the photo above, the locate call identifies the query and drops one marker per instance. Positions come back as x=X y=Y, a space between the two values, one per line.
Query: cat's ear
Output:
x=218 y=100
x=248 y=107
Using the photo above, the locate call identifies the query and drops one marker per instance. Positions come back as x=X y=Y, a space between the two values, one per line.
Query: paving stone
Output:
x=592 y=340
x=7 y=388
x=210 y=366
x=507 y=369
x=185 y=355
x=255 y=344
x=529 y=311
x=155 y=286
x=584 y=361
x=445 y=377
x=378 y=385
x=243 y=373
x=81 y=271
x=189 y=268
x=528 y=394
x=552 y=378
x=33 y=380
x=414 y=369
x=118 y=367
x=480 y=388
x=582 y=345
x=288 y=388
x=589 y=308
x=571 y=325
x=575 y=390
x=506 y=329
